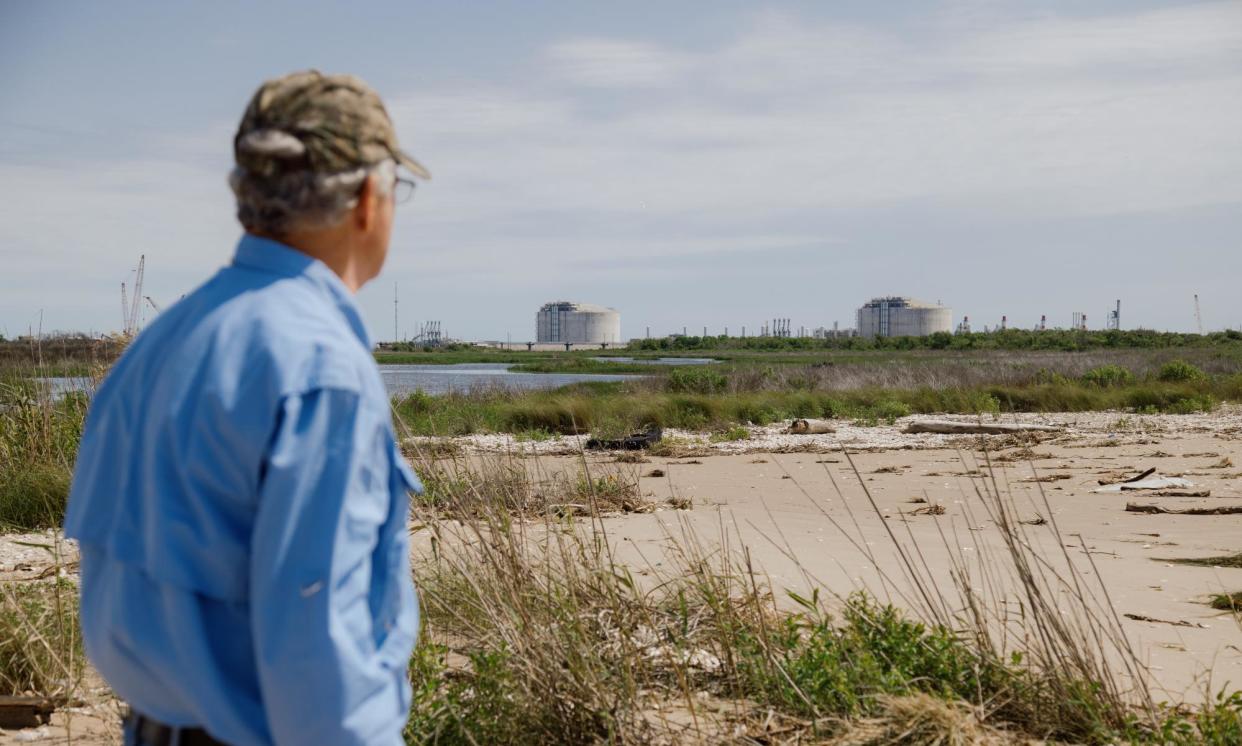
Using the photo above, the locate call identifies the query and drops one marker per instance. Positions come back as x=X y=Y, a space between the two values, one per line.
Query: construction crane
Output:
x=1198 y=315
x=154 y=306
x=130 y=306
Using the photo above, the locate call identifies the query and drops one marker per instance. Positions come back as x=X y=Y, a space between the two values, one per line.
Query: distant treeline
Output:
x=1008 y=339
x=60 y=349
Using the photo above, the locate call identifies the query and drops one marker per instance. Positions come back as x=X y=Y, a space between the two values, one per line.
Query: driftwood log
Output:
x=1223 y=510
x=811 y=427
x=25 y=712
x=943 y=427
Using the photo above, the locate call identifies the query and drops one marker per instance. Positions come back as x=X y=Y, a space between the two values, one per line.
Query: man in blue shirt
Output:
x=239 y=496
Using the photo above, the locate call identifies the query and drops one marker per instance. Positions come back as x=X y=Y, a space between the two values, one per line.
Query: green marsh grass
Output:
x=38 y=444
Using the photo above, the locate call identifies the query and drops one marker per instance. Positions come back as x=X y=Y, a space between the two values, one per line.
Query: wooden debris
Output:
x=810 y=427
x=25 y=712
x=1182 y=493
x=1022 y=454
x=942 y=427
x=1046 y=478
x=1175 y=623
x=1152 y=509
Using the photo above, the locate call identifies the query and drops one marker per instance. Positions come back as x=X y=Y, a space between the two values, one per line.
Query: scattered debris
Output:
x=1038 y=520
x=691 y=462
x=1022 y=454
x=933 y=509
x=944 y=427
x=1225 y=463
x=25 y=712
x=1229 y=560
x=1153 y=620
x=1151 y=509
x=680 y=503
x=917 y=500
x=811 y=427
x=1148 y=480
x=632 y=442
x=888 y=470
x=656 y=473
x=759 y=461
x=1046 y=478
x=1182 y=493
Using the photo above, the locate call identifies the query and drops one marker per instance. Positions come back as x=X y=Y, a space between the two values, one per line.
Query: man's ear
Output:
x=368 y=202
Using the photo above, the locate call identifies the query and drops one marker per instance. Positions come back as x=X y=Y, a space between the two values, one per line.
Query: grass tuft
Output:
x=40 y=646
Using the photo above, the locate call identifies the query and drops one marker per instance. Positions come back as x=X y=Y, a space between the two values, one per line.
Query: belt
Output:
x=148 y=732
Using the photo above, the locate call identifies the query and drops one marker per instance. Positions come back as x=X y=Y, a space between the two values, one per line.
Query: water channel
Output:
x=440 y=379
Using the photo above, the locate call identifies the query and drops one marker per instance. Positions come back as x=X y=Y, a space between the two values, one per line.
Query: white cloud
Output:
x=795 y=115
x=612 y=63
x=628 y=148
x=1142 y=43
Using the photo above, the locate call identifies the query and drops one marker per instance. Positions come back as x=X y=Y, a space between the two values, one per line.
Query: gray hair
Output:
x=274 y=205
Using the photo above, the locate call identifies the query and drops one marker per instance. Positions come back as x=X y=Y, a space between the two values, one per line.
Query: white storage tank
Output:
x=902 y=317
x=563 y=322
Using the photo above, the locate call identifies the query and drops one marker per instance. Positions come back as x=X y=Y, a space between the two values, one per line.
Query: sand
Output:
x=796 y=511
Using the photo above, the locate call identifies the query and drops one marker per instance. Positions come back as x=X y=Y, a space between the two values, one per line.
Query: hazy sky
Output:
x=694 y=163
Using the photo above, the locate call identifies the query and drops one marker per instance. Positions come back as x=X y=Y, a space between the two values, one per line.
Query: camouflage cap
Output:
x=308 y=121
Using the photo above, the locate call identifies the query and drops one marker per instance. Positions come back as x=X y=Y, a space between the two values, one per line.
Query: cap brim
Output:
x=412 y=165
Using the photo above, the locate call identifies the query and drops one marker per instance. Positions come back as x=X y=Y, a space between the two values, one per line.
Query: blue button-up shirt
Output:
x=241 y=506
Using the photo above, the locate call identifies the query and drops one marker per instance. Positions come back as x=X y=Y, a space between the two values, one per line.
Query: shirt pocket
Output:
x=368 y=505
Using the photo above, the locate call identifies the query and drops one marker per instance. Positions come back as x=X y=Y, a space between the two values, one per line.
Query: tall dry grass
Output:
x=41 y=650
x=535 y=632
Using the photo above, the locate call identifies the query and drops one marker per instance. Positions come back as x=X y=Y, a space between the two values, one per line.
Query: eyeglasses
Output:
x=402 y=190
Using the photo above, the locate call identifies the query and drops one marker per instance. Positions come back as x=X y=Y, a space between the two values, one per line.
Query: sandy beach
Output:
x=797 y=504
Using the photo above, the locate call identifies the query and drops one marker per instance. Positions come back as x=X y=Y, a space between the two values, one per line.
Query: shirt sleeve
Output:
x=328 y=669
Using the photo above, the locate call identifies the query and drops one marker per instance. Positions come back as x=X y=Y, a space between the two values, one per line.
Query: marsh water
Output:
x=440 y=379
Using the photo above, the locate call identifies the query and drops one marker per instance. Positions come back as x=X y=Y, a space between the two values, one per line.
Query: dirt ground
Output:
x=796 y=513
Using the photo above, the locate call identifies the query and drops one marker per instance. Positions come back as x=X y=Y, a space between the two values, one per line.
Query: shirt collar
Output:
x=266 y=255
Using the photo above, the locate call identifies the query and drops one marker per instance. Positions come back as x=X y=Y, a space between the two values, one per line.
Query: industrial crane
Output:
x=131 y=306
x=1198 y=316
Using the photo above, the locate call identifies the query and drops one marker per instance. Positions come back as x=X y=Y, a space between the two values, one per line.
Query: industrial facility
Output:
x=563 y=322
x=902 y=317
